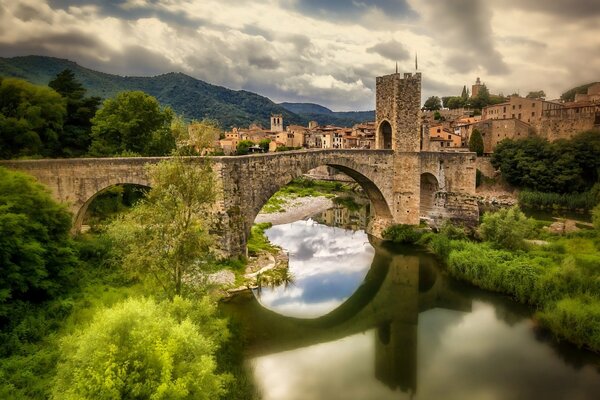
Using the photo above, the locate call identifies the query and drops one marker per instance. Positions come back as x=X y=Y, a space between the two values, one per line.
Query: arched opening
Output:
x=323 y=235
x=429 y=187
x=384 y=134
x=107 y=203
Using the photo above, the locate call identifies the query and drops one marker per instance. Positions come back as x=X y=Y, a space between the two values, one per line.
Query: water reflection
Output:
x=398 y=329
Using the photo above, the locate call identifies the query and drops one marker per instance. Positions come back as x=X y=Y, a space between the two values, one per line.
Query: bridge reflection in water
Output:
x=395 y=290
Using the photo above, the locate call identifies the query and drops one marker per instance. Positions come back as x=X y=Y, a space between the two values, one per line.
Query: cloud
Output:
x=391 y=50
x=572 y=9
x=353 y=9
x=464 y=27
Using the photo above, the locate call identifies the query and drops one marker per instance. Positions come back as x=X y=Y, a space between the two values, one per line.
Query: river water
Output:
x=365 y=320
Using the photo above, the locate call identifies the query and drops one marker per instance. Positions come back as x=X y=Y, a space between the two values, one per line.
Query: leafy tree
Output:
x=264 y=144
x=141 y=349
x=197 y=138
x=540 y=94
x=432 y=103
x=132 y=122
x=76 y=137
x=476 y=142
x=243 y=146
x=455 y=102
x=482 y=99
x=465 y=94
x=36 y=254
x=166 y=235
x=31 y=119
x=507 y=228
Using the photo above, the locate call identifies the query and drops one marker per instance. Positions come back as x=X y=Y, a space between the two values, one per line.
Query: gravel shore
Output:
x=296 y=209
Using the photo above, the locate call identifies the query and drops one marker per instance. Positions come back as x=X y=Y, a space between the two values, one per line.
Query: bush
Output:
x=507 y=228
x=576 y=319
x=143 y=349
x=401 y=233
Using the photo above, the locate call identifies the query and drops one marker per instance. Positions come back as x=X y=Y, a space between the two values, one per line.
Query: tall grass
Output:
x=557 y=201
x=561 y=279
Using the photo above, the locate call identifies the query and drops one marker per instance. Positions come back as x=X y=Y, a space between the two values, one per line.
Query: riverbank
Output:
x=295 y=209
x=557 y=274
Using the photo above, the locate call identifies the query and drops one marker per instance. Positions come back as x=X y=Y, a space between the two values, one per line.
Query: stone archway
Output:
x=429 y=188
x=80 y=211
x=384 y=135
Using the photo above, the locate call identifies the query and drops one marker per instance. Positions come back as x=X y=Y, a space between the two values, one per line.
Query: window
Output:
x=449 y=137
x=513 y=106
x=504 y=109
x=519 y=106
x=519 y=115
x=533 y=113
x=438 y=131
x=513 y=115
x=532 y=104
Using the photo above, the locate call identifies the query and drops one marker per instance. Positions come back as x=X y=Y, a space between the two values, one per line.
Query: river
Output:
x=366 y=320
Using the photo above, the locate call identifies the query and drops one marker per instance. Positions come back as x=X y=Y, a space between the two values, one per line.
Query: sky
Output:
x=326 y=52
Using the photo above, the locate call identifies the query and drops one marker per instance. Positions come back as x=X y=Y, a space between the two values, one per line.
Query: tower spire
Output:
x=416 y=63
x=396 y=66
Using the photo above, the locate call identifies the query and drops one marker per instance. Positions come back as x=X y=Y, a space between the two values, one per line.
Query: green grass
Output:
x=558 y=201
x=561 y=279
x=258 y=241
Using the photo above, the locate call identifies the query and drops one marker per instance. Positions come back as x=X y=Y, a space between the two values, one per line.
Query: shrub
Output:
x=401 y=233
x=506 y=228
x=143 y=349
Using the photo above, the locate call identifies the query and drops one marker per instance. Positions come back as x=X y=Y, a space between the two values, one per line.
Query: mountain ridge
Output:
x=193 y=98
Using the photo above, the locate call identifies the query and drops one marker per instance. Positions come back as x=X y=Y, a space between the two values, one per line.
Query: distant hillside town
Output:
x=515 y=117
x=446 y=129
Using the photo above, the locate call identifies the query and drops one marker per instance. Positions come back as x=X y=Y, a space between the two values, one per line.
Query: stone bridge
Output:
x=403 y=182
x=247 y=182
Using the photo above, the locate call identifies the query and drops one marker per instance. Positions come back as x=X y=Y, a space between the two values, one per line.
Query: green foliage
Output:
x=196 y=138
x=567 y=201
x=596 y=217
x=243 y=147
x=539 y=94
x=476 y=142
x=433 y=103
x=264 y=144
x=166 y=235
x=569 y=95
x=287 y=148
x=31 y=119
x=563 y=166
x=36 y=254
x=143 y=349
x=576 y=319
x=132 y=121
x=507 y=228
x=76 y=136
x=562 y=278
x=258 y=241
x=401 y=233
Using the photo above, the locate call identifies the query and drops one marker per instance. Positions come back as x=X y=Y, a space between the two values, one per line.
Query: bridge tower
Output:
x=397 y=114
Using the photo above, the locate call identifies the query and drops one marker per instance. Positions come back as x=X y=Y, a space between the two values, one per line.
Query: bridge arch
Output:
x=365 y=175
x=80 y=210
x=429 y=187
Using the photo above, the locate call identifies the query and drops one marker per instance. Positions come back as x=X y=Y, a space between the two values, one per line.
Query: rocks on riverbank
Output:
x=296 y=209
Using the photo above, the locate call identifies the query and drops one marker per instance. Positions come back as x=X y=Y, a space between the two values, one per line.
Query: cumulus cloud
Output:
x=316 y=51
x=391 y=50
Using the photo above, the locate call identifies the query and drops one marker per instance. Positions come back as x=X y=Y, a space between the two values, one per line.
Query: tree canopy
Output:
x=433 y=103
x=132 y=122
x=31 y=119
x=144 y=350
x=36 y=254
x=563 y=166
x=539 y=94
x=166 y=236
x=75 y=138
x=476 y=142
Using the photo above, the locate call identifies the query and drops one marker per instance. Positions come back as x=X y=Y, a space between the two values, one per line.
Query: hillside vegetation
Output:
x=190 y=97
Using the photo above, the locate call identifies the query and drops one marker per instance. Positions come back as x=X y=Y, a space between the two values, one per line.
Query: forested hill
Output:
x=193 y=98
x=319 y=113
